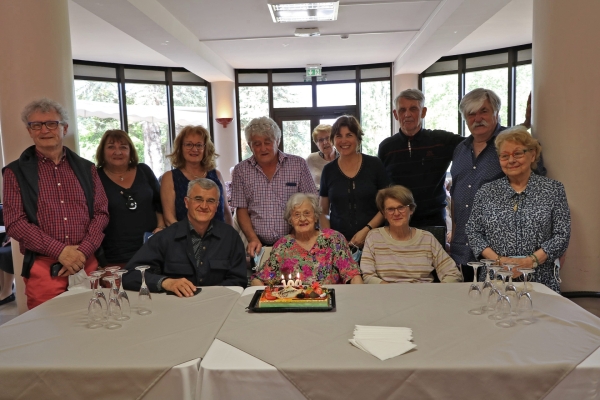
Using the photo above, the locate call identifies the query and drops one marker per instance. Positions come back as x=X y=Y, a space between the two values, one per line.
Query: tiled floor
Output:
x=8 y=312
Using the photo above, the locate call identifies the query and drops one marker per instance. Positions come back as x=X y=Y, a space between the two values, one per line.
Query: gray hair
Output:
x=297 y=199
x=204 y=183
x=263 y=126
x=410 y=94
x=44 y=105
x=474 y=100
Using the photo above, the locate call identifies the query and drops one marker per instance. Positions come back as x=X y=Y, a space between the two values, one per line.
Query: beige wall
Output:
x=566 y=118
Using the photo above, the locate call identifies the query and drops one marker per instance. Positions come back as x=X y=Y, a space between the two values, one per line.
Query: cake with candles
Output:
x=292 y=296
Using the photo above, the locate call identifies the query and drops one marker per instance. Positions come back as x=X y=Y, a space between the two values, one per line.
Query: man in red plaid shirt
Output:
x=54 y=205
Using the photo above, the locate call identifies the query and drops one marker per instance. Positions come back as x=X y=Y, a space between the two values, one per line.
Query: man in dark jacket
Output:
x=419 y=158
x=197 y=251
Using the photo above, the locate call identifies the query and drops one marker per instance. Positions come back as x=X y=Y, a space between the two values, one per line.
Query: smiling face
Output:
x=482 y=123
x=116 y=154
x=346 y=142
x=264 y=149
x=410 y=115
x=193 y=148
x=516 y=168
x=396 y=219
x=202 y=204
x=303 y=218
x=47 y=140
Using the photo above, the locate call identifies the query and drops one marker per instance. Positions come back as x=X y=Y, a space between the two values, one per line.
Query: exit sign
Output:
x=313 y=70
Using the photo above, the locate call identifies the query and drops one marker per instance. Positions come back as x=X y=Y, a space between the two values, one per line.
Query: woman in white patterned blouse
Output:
x=521 y=215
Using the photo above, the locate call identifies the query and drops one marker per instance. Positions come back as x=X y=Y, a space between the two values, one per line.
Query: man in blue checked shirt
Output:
x=475 y=162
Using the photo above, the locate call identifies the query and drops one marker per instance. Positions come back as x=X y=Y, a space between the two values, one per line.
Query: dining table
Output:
x=307 y=355
x=50 y=353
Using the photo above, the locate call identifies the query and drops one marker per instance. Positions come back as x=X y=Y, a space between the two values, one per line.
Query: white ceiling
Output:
x=212 y=37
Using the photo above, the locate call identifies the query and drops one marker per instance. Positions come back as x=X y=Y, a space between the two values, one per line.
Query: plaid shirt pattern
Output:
x=264 y=199
x=63 y=215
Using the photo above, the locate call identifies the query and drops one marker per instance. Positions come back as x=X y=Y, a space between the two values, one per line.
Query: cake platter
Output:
x=253 y=306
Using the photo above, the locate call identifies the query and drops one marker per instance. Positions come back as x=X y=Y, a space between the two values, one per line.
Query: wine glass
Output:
x=525 y=309
x=98 y=289
x=499 y=314
x=488 y=285
x=96 y=317
x=505 y=310
x=144 y=297
x=122 y=295
x=526 y=272
x=114 y=307
x=475 y=265
x=510 y=289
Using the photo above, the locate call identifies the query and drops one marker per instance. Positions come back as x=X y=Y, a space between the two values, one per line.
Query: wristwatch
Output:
x=535 y=261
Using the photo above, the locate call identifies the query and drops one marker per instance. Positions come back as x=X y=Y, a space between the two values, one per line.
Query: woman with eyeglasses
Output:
x=193 y=157
x=133 y=196
x=311 y=254
x=327 y=153
x=522 y=218
x=399 y=253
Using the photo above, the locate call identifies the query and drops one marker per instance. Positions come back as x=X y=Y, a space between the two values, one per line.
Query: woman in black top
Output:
x=350 y=184
x=133 y=196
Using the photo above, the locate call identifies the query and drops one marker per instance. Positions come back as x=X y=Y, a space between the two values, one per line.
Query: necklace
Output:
x=516 y=202
x=196 y=176
x=389 y=232
x=120 y=176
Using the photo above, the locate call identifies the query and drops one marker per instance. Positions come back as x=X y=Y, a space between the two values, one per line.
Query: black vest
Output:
x=26 y=172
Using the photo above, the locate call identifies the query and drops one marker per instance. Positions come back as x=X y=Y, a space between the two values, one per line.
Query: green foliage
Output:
x=375 y=114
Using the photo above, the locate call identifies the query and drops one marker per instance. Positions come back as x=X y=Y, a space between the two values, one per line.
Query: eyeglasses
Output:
x=323 y=140
x=516 y=154
x=400 y=209
x=305 y=215
x=190 y=145
x=201 y=200
x=36 y=126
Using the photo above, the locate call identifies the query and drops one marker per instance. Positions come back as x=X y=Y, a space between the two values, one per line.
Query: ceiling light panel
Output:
x=304 y=12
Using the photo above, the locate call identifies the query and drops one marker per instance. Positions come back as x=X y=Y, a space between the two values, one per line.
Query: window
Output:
x=190 y=106
x=253 y=102
x=524 y=84
x=338 y=94
x=494 y=79
x=441 y=100
x=375 y=114
x=97 y=105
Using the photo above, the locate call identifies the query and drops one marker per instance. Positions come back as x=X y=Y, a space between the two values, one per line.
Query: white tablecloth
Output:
x=227 y=371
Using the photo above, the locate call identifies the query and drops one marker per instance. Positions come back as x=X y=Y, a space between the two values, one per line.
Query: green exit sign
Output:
x=313 y=70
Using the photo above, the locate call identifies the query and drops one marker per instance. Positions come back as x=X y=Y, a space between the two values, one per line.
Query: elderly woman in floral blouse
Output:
x=317 y=255
x=521 y=215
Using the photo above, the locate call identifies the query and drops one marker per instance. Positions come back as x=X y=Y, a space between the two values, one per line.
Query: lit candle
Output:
x=298 y=281
x=283 y=280
x=291 y=281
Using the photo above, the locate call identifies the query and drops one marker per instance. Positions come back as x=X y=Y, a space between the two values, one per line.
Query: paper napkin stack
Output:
x=383 y=342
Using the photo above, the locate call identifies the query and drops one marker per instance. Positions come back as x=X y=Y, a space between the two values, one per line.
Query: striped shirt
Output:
x=265 y=199
x=410 y=261
x=63 y=215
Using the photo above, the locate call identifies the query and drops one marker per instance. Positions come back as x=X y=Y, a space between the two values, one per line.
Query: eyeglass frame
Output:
x=44 y=123
x=501 y=155
x=401 y=209
x=190 y=146
x=306 y=215
x=324 y=140
x=201 y=200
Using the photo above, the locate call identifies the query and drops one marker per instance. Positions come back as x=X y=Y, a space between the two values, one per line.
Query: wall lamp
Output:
x=224 y=121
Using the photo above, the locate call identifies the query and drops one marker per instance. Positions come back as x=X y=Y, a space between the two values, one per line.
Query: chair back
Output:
x=439 y=232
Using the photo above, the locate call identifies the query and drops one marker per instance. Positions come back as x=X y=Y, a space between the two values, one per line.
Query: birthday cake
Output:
x=295 y=296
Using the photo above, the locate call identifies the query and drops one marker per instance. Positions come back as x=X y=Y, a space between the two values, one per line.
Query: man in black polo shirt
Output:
x=419 y=158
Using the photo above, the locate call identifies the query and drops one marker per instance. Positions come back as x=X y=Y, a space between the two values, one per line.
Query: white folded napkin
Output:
x=383 y=342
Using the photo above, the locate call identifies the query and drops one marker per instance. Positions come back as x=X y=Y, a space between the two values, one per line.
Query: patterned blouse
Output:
x=517 y=224
x=328 y=262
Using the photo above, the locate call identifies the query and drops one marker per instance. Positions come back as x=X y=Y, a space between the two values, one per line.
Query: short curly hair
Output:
x=519 y=134
x=209 y=157
x=297 y=199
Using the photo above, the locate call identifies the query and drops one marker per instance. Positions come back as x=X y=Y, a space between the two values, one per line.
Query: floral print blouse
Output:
x=517 y=224
x=328 y=262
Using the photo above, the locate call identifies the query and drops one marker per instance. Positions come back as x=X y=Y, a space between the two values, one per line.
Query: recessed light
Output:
x=304 y=12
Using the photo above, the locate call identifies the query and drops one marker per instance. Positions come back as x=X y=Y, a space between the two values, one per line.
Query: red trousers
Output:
x=41 y=287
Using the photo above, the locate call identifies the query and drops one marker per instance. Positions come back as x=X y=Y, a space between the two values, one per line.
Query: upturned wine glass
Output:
x=122 y=295
x=526 y=272
x=511 y=290
x=525 y=309
x=98 y=289
x=114 y=307
x=499 y=313
x=96 y=316
x=144 y=297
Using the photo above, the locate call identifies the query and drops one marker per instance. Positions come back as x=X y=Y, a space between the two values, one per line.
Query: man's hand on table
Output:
x=181 y=287
x=72 y=260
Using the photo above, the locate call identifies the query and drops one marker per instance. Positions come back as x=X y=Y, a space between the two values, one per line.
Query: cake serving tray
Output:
x=253 y=306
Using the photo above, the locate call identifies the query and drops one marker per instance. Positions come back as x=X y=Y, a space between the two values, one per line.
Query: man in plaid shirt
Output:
x=262 y=184
x=54 y=205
